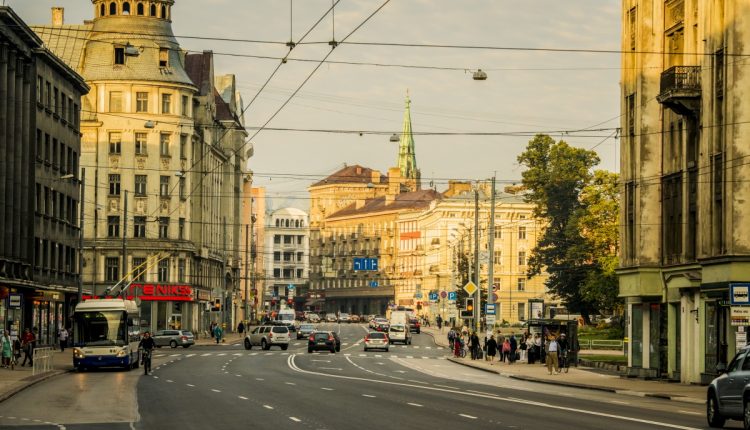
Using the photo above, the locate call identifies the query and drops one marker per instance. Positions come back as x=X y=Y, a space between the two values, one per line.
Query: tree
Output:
x=556 y=175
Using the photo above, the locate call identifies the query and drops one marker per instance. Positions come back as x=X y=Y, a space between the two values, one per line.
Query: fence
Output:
x=601 y=344
x=42 y=360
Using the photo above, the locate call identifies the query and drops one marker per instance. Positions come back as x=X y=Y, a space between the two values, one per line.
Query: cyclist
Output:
x=148 y=345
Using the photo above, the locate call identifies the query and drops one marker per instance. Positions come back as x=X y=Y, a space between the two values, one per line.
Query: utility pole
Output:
x=125 y=237
x=477 y=299
x=491 y=246
x=247 y=250
x=252 y=246
x=80 y=237
x=224 y=274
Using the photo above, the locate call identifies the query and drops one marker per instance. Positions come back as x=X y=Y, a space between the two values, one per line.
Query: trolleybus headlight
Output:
x=122 y=353
x=78 y=353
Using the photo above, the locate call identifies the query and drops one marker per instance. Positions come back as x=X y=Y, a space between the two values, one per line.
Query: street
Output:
x=411 y=386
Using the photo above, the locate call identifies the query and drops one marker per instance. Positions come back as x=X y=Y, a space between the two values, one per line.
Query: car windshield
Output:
x=397 y=328
x=306 y=327
x=279 y=329
x=377 y=335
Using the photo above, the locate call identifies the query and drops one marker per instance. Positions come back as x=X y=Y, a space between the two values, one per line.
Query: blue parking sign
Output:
x=452 y=296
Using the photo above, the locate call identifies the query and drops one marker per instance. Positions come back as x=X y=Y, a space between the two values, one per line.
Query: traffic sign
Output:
x=418 y=295
x=491 y=320
x=443 y=294
x=452 y=296
x=290 y=287
x=739 y=294
x=489 y=309
x=433 y=297
x=374 y=284
x=470 y=288
x=368 y=264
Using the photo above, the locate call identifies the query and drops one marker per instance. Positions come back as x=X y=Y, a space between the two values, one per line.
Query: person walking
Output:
x=491 y=346
x=439 y=322
x=27 y=345
x=537 y=348
x=513 y=348
x=217 y=333
x=241 y=328
x=63 y=337
x=506 y=350
x=472 y=347
x=7 y=348
x=552 y=348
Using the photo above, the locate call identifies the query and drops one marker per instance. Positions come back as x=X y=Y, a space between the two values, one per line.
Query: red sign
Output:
x=411 y=235
x=161 y=292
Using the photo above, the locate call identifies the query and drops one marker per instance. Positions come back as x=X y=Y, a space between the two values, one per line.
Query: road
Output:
x=411 y=386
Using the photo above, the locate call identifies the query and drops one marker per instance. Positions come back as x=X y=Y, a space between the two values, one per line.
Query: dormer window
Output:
x=119 y=55
x=163 y=57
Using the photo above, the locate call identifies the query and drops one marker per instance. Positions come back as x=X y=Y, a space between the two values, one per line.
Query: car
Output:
x=313 y=318
x=344 y=318
x=267 y=336
x=327 y=340
x=399 y=333
x=381 y=324
x=728 y=396
x=174 y=338
x=331 y=318
x=376 y=340
x=305 y=330
x=414 y=325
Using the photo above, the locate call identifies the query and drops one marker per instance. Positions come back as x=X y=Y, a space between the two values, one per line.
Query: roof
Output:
x=67 y=42
x=198 y=68
x=289 y=211
x=355 y=174
x=223 y=113
x=411 y=200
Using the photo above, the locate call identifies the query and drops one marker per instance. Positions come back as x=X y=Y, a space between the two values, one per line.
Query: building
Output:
x=287 y=264
x=684 y=234
x=40 y=99
x=163 y=154
x=252 y=240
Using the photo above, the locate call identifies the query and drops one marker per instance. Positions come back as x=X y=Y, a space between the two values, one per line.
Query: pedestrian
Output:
x=451 y=336
x=537 y=348
x=241 y=328
x=513 y=348
x=552 y=348
x=217 y=333
x=7 y=348
x=491 y=346
x=27 y=345
x=439 y=322
x=63 y=337
x=474 y=345
x=457 y=346
x=524 y=345
x=212 y=329
x=506 y=350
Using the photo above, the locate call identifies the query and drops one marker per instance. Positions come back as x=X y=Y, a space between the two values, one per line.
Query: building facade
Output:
x=40 y=99
x=163 y=179
x=684 y=234
x=287 y=262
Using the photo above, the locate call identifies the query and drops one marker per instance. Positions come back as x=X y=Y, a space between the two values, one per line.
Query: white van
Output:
x=399 y=317
x=399 y=333
x=288 y=317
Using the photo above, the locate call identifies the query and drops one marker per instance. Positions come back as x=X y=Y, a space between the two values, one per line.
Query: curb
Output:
x=30 y=381
x=582 y=386
x=432 y=335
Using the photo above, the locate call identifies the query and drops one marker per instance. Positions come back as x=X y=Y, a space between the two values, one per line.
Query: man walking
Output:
x=240 y=328
x=27 y=345
x=63 y=336
x=552 y=360
x=439 y=322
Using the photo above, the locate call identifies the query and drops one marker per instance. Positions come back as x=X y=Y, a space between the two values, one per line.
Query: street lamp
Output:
x=479 y=75
x=80 y=231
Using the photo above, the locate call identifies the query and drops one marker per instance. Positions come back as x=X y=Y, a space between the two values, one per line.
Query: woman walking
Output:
x=7 y=348
x=491 y=346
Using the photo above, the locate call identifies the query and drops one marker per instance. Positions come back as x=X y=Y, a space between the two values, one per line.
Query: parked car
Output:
x=354 y=318
x=327 y=340
x=414 y=325
x=174 y=338
x=344 y=318
x=331 y=318
x=376 y=340
x=267 y=336
x=313 y=318
x=305 y=330
x=399 y=333
x=728 y=396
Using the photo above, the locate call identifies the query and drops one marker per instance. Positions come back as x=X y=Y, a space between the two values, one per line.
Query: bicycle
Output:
x=564 y=362
x=146 y=361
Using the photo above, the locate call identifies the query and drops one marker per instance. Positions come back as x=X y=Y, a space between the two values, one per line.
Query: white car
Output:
x=267 y=336
x=343 y=318
x=376 y=340
x=331 y=318
x=399 y=333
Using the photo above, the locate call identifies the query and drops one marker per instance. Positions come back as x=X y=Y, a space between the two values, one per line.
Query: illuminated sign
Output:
x=161 y=292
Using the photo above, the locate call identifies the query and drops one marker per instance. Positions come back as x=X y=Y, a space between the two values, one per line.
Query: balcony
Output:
x=680 y=90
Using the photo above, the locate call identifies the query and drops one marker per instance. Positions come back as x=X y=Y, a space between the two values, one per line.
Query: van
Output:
x=399 y=317
x=399 y=333
x=288 y=317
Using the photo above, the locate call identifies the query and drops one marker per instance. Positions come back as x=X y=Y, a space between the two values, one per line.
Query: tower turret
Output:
x=407 y=159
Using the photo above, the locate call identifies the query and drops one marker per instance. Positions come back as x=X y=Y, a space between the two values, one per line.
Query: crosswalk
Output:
x=285 y=353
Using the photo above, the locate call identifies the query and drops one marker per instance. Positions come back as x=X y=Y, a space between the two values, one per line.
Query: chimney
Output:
x=58 y=16
x=358 y=169
x=375 y=177
x=394 y=184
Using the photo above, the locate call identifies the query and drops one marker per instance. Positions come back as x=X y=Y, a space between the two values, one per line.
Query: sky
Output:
x=528 y=90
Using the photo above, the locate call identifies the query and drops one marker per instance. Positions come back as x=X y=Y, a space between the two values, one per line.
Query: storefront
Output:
x=165 y=306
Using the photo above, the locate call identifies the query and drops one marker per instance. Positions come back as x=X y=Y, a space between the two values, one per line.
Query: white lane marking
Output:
x=322 y=361
x=400 y=371
x=169 y=380
x=446 y=386
x=290 y=383
x=259 y=379
x=237 y=354
x=378 y=356
x=268 y=406
x=409 y=356
x=415 y=404
x=619 y=402
x=416 y=346
x=363 y=355
x=368 y=395
x=254 y=353
x=269 y=353
x=206 y=354
x=467 y=416
x=330 y=368
x=175 y=355
x=190 y=385
x=239 y=376
x=156 y=377
x=689 y=412
x=190 y=355
x=326 y=388
x=242 y=397
x=296 y=420
x=425 y=357
x=222 y=354
x=215 y=390
x=293 y=366
x=428 y=347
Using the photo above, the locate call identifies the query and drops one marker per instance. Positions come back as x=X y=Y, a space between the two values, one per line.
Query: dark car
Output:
x=328 y=340
x=728 y=395
x=382 y=326
x=414 y=325
x=305 y=330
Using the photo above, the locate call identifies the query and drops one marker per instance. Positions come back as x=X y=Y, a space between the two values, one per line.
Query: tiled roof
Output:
x=355 y=174
x=198 y=68
x=411 y=200
x=66 y=42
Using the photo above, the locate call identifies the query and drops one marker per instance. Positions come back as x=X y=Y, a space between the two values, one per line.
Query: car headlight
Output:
x=78 y=353
x=122 y=353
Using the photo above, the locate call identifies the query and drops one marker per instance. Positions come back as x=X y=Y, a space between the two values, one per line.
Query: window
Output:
x=521 y=311
x=183 y=146
x=672 y=217
x=182 y=188
x=163 y=227
x=185 y=106
x=113 y=8
x=522 y=232
x=521 y=284
x=114 y=185
x=277 y=273
x=632 y=27
x=140 y=143
x=112 y=269
x=166 y=103
x=164 y=144
x=152 y=10
x=48 y=92
x=40 y=90
x=181 y=265
x=64 y=108
x=277 y=256
x=521 y=258
x=139 y=226
x=139 y=9
x=163 y=271
x=139 y=269
x=113 y=226
x=164 y=12
x=629 y=250
x=47 y=148
x=498 y=257
x=102 y=10
x=181 y=229
x=164 y=186
x=126 y=8
x=498 y=232
x=141 y=102
x=115 y=142
x=119 y=55
x=140 y=185
x=163 y=57
x=299 y=273
x=277 y=238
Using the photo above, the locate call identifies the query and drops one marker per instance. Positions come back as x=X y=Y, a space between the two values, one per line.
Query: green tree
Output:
x=555 y=176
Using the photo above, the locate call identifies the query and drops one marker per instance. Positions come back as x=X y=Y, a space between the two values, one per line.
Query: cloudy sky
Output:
x=527 y=89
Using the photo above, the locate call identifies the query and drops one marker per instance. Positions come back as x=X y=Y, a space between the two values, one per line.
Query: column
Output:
x=10 y=139
x=3 y=138
x=18 y=168
x=28 y=163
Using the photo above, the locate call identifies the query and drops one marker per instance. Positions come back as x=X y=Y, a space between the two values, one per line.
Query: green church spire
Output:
x=407 y=160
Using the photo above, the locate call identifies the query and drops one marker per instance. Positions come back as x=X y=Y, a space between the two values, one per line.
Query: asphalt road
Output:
x=412 y=386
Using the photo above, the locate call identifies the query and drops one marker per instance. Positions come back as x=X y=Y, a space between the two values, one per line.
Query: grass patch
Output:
x=593 y=333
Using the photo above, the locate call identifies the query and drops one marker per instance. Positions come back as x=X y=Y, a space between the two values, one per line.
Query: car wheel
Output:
x=248 y=345
x=712 y=412
x=745 y=414
x=284 y=347
x=333 y=350
x=173 y=344
x=365 y=349
x=309 y=350
x=264 y=345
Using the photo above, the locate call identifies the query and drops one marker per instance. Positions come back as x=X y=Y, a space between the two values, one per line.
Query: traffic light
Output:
x=216 y=306
x=470 y=304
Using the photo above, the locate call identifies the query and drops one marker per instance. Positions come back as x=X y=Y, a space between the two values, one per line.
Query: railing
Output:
x=601 y=344
x=681 y=78
x=42 y=360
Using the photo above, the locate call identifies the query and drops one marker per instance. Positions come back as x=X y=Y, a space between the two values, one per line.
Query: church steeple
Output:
x=407 y=159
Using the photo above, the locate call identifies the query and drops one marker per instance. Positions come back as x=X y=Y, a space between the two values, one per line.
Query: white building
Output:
x=287 y=257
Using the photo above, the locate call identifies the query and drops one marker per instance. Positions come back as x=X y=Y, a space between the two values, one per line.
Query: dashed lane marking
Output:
x=296 y=420
x=259 y=379
x=368 y=396
x=190 y=385
x=242 y=397
x=467 y=416
x=415 y=404
x=215 y=390
x=290 y=383
x=326 y=388
x=268 y=407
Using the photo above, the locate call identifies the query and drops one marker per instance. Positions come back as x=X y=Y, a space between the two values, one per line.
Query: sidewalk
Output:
x=580 y=377
x=13 y=381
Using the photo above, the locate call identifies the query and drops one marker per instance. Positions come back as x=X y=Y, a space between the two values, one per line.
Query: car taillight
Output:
x=183 y=337
x=270 y=334
x=330 y=337
x=312 y=339
x=367 y=338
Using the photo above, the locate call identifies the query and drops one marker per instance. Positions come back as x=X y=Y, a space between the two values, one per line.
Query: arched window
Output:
x=164 y=12
x=113 y=8
x=102 y=10
x=153 y=10
x=287 y=223
x=126 y=8
x=139 y=9
x=277 y=223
